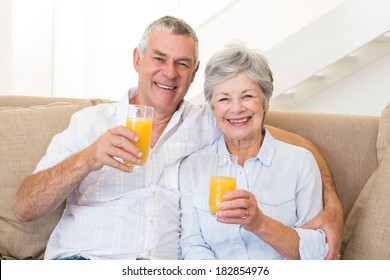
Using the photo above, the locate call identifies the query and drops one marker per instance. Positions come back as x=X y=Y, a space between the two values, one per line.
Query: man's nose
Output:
x=169 y=70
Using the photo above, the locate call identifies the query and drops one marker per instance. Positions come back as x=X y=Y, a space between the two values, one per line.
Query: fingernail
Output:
x=140 y=154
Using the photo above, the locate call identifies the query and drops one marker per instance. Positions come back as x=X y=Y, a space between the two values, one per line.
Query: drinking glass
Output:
x=140 y=119
x=222 y=179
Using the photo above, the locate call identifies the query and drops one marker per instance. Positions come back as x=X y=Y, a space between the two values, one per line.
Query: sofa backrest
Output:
x=28 y=101
x=25 y=132
x=348 y=142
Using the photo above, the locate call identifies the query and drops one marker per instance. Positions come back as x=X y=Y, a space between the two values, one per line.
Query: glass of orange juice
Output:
x=222 y=179
x=140 y=119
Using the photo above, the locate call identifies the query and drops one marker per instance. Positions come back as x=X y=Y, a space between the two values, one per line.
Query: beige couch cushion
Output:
x=338 y=137
x=28 y=101
x=367 y=228
x=24 y=136
x=383 y=141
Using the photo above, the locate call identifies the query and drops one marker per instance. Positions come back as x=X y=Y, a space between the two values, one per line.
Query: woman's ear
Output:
x=266 y=107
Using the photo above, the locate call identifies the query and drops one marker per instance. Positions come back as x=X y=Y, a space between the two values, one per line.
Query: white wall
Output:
x=83 y=48
x=260 y=24
x=5 y=46
x=26 y=47
x=93 y=52
x=366 y=92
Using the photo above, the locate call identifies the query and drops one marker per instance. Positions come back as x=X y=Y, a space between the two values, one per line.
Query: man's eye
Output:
x=184 y=64
x=158 y=58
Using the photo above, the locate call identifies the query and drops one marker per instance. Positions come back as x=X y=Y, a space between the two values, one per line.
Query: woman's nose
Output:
x=237 y=105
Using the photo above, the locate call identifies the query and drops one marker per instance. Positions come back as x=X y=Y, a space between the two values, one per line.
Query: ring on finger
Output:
x=246 y=214
x=118 y=151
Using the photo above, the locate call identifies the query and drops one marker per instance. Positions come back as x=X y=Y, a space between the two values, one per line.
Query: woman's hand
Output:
x=240 y=208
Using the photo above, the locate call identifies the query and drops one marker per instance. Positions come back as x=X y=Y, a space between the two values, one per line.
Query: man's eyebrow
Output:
x=186 y=59
x=158 y=52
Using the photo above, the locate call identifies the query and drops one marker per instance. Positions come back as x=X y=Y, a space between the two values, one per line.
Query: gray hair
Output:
x=232 y=59
x=170 y=24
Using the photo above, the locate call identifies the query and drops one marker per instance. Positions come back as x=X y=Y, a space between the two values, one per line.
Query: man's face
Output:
x=166 y=70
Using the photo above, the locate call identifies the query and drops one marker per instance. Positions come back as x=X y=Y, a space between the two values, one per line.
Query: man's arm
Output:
x=41 y=193
x=331 y=219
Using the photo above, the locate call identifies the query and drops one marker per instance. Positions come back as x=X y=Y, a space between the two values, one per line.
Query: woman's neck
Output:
x=244 y=149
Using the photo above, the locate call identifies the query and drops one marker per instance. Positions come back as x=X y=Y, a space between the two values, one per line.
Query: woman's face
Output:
x=238 y=108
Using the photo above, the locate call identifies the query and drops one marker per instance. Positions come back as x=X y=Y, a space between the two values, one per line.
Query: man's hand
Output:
x=331 y=222
x=111 y=147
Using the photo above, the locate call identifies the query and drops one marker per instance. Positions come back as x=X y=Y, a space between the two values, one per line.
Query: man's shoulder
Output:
x=96 y=110
x=197 y=110
x=191 y=108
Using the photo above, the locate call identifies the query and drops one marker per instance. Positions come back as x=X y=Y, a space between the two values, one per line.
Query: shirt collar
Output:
x=121 y=112
x=267 y=149
x=265 y=153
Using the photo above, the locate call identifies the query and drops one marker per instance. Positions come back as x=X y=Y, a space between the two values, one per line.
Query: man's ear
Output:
x=136 y=59
x=196 y=70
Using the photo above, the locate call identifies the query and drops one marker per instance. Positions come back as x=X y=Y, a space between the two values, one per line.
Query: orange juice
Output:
x=143 y=127
x=219 y=185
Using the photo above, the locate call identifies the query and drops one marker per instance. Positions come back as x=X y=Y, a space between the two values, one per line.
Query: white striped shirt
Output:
x=117 y=215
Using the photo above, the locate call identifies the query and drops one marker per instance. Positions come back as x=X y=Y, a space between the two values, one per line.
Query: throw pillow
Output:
x=383 y=140
x=367 y=228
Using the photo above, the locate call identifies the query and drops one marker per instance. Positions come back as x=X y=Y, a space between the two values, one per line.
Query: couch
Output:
x=356 y=147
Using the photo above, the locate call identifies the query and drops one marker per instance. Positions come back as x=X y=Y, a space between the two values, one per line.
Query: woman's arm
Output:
x=331 y=219
x=287 y=238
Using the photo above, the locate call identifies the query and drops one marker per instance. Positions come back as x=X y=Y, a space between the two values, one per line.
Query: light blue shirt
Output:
x=287 y=184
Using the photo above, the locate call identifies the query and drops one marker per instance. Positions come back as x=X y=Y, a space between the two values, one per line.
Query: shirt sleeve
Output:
x=312 y=242
x=84 y=127
x=192 y=243
x=60 y=146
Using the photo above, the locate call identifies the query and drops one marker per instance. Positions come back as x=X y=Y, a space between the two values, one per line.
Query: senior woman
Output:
x=278 y=185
